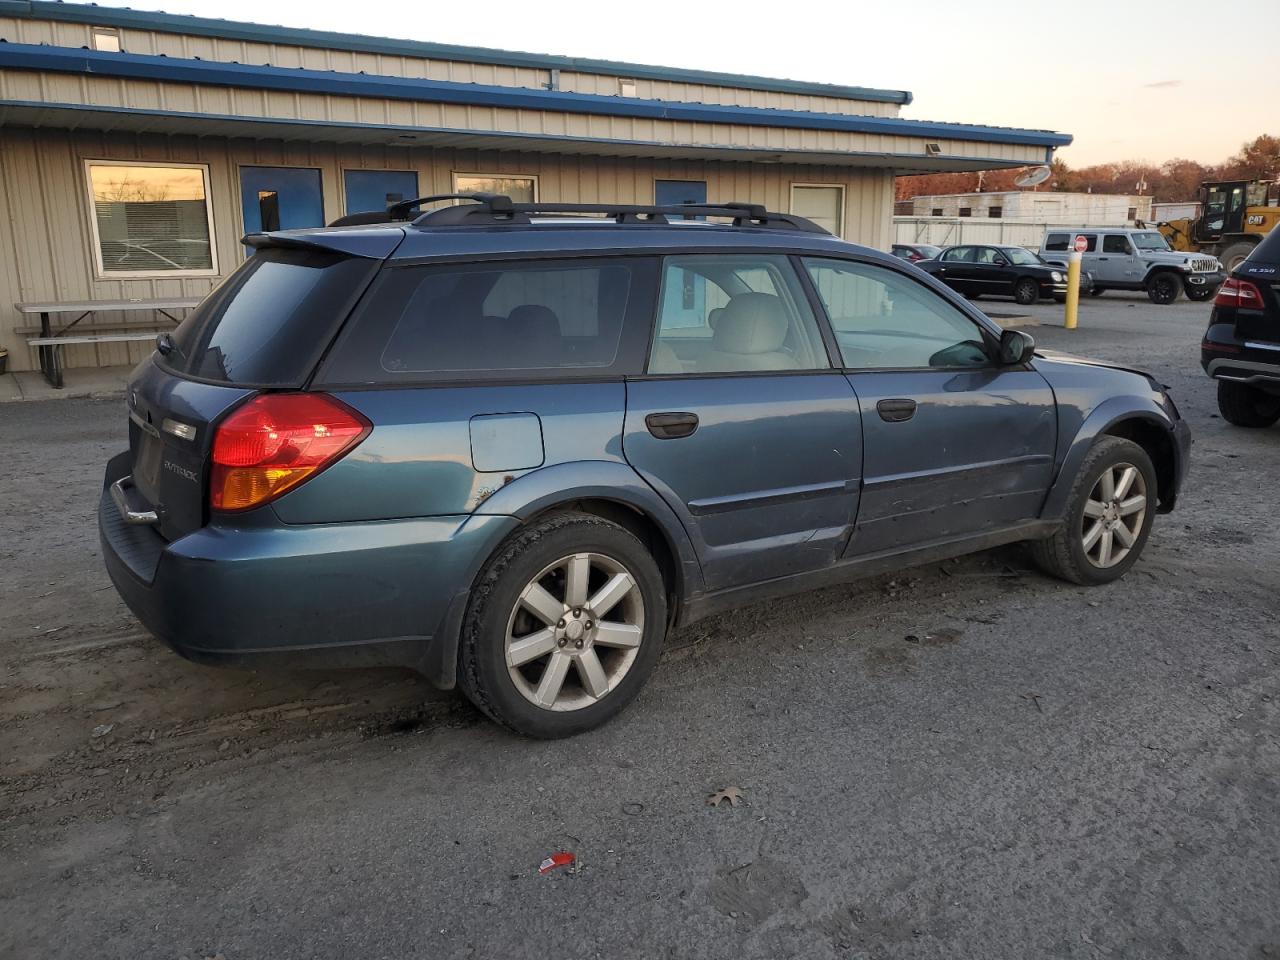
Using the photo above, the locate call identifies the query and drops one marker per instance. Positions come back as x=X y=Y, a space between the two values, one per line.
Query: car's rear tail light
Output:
x=1218 y=347
x=1238 y=293
x=275 y=442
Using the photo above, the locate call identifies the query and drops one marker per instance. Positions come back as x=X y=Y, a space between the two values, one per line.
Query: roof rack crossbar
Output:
x=403 y=209
x=490 y=209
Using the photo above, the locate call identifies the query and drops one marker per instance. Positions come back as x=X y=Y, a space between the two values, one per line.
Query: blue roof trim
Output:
x=80 y=109
x=292 y=36
x=137 y=67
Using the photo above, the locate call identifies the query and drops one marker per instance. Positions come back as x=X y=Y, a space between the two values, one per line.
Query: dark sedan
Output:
x=980 y=270
x=1241 y=348
x=915 y=252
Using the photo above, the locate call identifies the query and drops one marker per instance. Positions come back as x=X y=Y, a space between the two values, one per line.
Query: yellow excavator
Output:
x=1234 y=217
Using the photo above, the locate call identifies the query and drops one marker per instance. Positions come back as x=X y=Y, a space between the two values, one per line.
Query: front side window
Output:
x=519 y=189
x=734 y=314
x=151 y=219
x=885 y=321
x=540 y=319
x=1115 y=243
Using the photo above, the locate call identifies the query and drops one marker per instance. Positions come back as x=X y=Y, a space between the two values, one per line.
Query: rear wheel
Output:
x=1164 y=287
x=1247 y=406
x=1026 y=291
x=564 y=627
x=1109 y=515
x=1235 y=254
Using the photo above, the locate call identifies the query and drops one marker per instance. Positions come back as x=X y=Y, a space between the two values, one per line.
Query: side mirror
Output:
x=1016 y=348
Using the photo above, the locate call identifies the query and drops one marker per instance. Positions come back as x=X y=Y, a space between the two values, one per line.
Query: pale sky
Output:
x=1130 y=80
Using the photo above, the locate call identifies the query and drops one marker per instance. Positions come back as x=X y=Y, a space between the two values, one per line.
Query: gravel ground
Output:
x=963 y=760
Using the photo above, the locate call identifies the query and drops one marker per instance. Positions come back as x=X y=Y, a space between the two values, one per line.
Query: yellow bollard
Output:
x=1073 y=289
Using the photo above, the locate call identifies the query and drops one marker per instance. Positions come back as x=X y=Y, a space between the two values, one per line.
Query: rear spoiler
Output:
x=376 y=243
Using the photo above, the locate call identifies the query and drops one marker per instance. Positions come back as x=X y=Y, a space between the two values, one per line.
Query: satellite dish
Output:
x=1034 y=176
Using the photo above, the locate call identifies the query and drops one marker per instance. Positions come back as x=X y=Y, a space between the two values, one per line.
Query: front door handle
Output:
x=895 y=411
x=671 y=426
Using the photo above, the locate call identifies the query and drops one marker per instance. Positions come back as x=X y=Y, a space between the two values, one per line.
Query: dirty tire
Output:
x=1247 y=406
x=1164 y=287
x=1063 y=554
x=482 y=666
x=1026 y=291
x=1234 y=255
x=1096 y=291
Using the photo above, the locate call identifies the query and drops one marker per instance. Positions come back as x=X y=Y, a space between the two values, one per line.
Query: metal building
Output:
x=137 y=148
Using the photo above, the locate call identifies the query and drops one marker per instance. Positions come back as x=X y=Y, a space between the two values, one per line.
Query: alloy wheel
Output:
x=575 y=632
x=1114 y=515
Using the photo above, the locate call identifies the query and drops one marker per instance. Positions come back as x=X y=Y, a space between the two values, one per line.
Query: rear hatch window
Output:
x=269 y=322
x=1268 y=251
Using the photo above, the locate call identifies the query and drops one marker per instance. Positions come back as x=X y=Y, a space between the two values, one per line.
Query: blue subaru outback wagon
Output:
x=512 y=446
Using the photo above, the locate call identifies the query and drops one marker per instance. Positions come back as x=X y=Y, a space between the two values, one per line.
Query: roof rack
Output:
x=493 y=209
x=497 y=209
x=403 y=209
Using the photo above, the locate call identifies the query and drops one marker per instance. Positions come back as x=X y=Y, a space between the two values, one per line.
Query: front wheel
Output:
x=1164 y=287
x=1199 y=293
x=1109 y=516
x=1096 y=291
x=1026 y=291
x=1247 y=406
x=564 y=627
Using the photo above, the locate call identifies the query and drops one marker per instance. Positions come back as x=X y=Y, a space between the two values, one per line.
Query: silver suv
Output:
x=1132 y=258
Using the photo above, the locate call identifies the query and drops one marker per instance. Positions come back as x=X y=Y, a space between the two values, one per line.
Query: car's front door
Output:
x=953 y=443
x=1116 y=262
x=990 y=273
x=740 y=422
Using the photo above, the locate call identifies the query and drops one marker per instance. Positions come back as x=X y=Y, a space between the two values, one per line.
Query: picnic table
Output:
x=50 y=342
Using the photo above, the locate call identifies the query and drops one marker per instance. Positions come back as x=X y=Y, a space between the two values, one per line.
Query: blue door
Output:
x=670 y=193
x=280 y=198
x=370 y=190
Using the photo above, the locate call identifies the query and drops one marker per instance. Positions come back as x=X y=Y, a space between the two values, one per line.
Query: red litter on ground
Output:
x=555 y=860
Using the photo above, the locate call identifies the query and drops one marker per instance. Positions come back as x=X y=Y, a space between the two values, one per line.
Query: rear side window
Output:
x=539 y=319
x=268 y=323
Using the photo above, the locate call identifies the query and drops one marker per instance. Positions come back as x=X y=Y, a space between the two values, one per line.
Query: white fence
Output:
x=949 y=231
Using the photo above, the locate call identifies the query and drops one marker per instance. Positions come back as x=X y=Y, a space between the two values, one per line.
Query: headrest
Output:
x=713 y=318
x=751 y=323
x=534 y=320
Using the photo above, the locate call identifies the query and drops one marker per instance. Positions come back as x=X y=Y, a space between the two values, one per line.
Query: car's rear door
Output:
x=956 y=269
x=953 y=444
x=741 y=424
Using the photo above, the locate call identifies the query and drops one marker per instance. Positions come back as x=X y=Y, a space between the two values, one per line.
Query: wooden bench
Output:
x=51 y=342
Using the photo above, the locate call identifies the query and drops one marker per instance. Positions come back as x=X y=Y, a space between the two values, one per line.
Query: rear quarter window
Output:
x=1056 y=242
x=530 y=319
x=268 y=323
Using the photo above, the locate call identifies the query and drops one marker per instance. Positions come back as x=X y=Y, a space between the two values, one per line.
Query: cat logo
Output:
x=1255 y=219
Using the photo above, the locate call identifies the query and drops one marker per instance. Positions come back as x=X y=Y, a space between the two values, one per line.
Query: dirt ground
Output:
x=962 y=760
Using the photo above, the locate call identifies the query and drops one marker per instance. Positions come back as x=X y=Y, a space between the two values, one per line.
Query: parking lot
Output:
x=965 y=759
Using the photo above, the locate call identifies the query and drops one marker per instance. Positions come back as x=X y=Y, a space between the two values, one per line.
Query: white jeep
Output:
x=1133 y=258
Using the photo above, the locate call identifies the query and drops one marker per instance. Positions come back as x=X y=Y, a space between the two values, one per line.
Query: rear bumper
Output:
x=386 y=592
x=1225 y=356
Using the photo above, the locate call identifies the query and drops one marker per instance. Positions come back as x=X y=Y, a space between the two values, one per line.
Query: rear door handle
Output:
x=671 y=426
x=895 y=411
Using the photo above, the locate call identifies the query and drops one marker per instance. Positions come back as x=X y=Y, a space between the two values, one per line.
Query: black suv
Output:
x=1241 y=348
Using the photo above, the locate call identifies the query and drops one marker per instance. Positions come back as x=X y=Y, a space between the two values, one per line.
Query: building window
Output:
x=995 y=213
x=519 y=189
x=106 y=39
x=821 y=203
x=1132 y=214
x=151 y=219
x=626 y=88
x=936 y=212
x=966 y=211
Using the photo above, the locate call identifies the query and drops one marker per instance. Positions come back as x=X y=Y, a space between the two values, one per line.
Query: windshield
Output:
x=1150 y=241
x=1020 y=256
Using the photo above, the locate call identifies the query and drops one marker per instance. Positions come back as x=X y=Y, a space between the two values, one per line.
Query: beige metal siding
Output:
x=250 y=103
x=345 y=61
x=45 y=246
